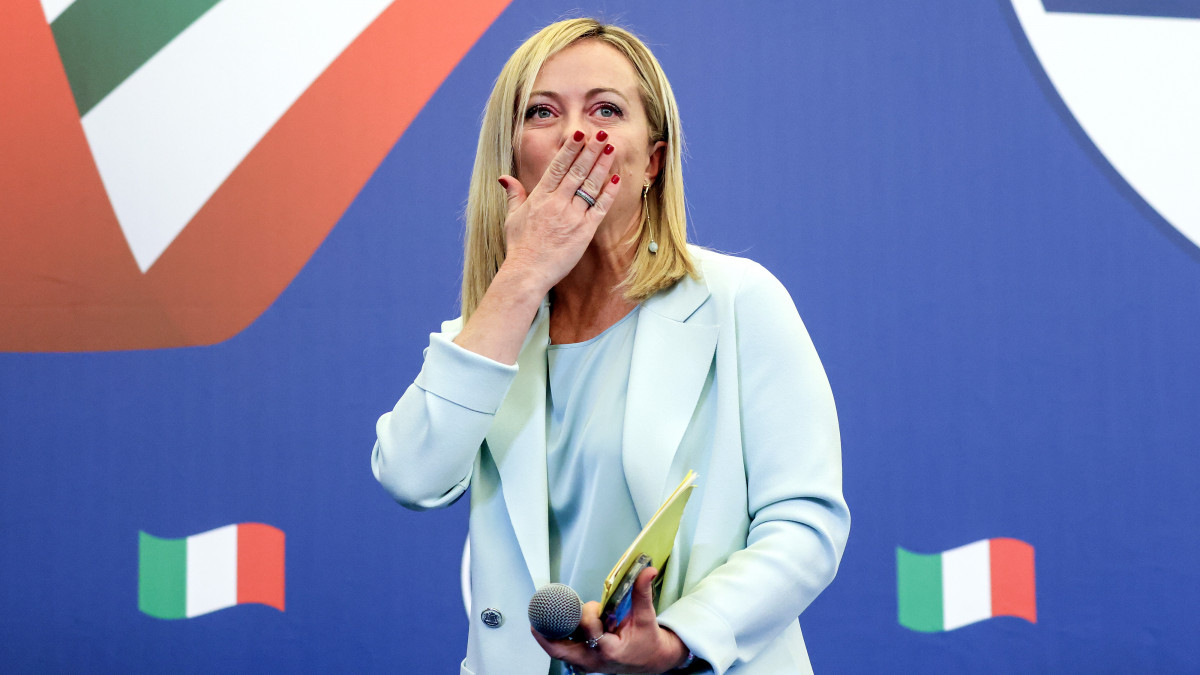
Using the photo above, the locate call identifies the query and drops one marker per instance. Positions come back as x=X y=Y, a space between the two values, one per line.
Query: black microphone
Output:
x=555 y=611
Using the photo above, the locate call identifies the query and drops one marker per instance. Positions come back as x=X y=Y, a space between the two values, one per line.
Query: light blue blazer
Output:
x=724 y=380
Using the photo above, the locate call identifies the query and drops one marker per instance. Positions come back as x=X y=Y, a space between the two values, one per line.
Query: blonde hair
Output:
x=499 y=137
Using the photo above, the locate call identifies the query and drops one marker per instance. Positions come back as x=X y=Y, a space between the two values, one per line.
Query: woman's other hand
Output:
x=638 y=645
x=548 y=229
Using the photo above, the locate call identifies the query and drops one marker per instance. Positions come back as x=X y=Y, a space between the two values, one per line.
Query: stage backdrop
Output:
x=229 y=227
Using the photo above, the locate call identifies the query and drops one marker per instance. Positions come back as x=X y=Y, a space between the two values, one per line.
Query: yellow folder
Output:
x=655 y=540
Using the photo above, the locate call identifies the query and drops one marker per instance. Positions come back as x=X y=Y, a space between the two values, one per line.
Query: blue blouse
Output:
x=592 y=515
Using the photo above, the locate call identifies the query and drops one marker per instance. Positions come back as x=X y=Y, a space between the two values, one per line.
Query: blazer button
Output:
x=492 y=618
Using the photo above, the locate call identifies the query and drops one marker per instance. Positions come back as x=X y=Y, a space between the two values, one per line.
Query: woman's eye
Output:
x=609 y=110
x=539 y=111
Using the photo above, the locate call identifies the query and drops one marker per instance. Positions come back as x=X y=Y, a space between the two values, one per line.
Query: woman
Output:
x=599 y=358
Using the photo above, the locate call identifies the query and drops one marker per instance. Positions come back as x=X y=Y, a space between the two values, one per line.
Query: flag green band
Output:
x=162 y=576
x=919 y=586
x=102 y=42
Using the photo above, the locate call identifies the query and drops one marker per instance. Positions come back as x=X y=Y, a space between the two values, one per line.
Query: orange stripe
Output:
x=1013 y=592
x=260 y=564
x=285 y=197
x=68 y=281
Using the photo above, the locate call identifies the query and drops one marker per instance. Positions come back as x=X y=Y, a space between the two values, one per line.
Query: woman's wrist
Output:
x=677 y=654
x=498 y=327
x=528 y=274
x=522 y=285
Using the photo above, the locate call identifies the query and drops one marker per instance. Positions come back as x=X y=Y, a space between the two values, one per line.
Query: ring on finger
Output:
x=592 y=642
x=591 y=201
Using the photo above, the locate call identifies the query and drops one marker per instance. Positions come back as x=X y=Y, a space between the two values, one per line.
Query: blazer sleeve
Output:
x=799 y=521
x=426 y=446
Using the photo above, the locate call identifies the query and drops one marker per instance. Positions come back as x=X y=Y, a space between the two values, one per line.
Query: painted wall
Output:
x=228 y=232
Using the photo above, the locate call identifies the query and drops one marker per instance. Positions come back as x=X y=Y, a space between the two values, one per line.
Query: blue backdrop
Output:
x=1008 y=328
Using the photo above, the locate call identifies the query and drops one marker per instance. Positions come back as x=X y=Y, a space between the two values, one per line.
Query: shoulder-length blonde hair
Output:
x=499 y=136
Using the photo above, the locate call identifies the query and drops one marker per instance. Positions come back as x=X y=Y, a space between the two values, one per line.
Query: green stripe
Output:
x=162 y=576
x=919 y=588
x=102 y=42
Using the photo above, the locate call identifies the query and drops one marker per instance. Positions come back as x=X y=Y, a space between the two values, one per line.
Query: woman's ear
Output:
x=657 y=152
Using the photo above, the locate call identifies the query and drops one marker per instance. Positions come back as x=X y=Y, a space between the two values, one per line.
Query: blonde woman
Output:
x=598 y=358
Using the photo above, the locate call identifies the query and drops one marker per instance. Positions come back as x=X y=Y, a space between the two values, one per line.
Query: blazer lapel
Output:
x=517 y=441
x=671 y=360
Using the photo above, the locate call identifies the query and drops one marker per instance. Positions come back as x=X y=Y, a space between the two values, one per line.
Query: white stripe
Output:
x=1133 y=83
x=211 y=570
x=966 y=585
x=169 y=135
x=53 y=8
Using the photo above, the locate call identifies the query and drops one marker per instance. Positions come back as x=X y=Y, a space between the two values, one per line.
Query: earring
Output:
x=653 y=246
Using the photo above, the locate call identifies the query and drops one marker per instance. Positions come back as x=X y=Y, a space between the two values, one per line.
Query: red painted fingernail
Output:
x=616 y=179
x=578 y=136
x=608 y=149
x=503 y=183
x=601 y=135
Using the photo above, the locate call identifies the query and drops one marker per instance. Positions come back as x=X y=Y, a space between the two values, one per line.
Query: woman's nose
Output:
x=589 y=131
x=574 y=126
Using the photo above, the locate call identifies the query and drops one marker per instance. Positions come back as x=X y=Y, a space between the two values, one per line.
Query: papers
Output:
x=650 y=548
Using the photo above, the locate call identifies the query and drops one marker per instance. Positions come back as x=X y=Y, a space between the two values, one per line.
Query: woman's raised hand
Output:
x=547 y=232
x=548 y=229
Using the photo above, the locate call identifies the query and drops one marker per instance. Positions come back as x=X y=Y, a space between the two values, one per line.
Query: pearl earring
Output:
x=653 y=245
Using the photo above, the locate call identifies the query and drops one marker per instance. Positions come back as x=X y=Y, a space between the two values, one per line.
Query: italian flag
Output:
x=231 y=565
x=944 y=591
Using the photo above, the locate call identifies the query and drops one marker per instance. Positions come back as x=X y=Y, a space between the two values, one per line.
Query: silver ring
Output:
x=592 y=642
x=591 y=201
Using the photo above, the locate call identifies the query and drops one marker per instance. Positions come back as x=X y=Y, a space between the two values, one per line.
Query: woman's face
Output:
x=589 y=87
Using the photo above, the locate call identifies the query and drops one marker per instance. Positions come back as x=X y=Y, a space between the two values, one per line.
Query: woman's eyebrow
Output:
x=604 y=90
x=591 y=93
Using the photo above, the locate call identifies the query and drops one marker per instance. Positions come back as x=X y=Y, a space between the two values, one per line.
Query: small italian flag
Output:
x=231 y=565
x=944 y=591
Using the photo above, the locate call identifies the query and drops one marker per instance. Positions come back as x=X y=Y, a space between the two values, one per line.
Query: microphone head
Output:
x=555 y=611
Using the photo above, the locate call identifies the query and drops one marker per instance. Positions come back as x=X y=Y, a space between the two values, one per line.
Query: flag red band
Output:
x=260 y=565
x=1013 y=591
